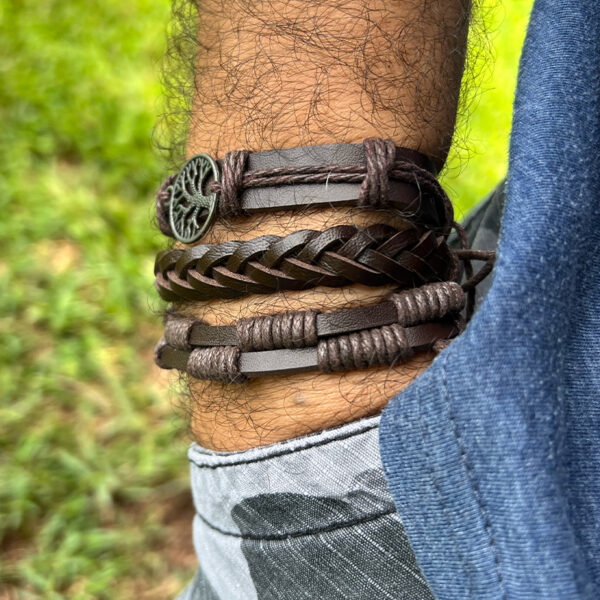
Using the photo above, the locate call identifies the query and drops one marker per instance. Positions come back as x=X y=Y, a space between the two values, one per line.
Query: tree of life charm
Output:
x=190 y=211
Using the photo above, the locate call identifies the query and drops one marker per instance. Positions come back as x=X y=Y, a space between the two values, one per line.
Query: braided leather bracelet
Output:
x=375 y=174
x=375 y=255
x=305 y=340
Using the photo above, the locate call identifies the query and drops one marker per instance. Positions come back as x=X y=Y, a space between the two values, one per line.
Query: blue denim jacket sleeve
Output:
x=493 y=454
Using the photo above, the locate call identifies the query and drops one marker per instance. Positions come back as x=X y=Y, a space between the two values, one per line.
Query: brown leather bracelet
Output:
x=375 y=174
x=341 y=340
x=298 y=329
x=342 y=255
x=392 y=344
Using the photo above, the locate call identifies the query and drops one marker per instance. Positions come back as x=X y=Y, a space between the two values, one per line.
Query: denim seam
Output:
x=472 y=481
x=461 y=558
x=284 y=452
x=300 y=533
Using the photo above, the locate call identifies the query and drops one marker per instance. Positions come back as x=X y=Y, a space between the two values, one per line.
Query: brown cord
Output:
x=287 y=330
x=216 y=364
x=232 y=183
x=380 y=156
x=364 y=349
x=467 y=255
x=428 y=302
x=162 y=199
x=177 y=332
x=464 y=245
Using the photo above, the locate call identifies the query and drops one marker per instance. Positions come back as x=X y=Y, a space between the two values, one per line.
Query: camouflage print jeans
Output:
x=307 y=518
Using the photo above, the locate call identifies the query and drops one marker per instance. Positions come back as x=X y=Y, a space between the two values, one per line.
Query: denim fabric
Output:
x=493 y=455
x=308 y=518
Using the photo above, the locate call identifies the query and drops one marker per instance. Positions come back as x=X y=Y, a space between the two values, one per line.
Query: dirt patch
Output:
x=178 y=516
x=58 y=255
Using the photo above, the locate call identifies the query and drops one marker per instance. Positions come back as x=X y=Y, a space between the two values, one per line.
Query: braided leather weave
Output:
x=350 y=339
x=376 y=255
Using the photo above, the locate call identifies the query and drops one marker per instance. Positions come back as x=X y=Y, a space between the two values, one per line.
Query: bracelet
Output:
x=343 y=255
x=298 y=329
x=304 y=340
x=374 y=174
x=372 y=347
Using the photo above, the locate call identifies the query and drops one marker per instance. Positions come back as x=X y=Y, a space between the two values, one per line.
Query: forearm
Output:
x=290 y=73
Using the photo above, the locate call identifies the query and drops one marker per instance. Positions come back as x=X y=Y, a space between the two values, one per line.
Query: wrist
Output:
x=271 y=409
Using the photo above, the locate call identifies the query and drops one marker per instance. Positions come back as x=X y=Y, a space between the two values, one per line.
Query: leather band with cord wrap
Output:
x=375 y=174
x=343 y=255
x=364 y=336
x=298 y=329
x=372 y=347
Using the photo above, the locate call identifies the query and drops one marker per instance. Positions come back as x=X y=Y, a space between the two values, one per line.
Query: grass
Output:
x=94 y=497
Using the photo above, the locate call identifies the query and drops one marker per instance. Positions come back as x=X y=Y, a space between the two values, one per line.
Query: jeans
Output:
x=492 y=456
x=308 y=518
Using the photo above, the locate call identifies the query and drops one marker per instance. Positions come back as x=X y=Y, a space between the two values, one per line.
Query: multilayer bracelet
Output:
x=375 y=175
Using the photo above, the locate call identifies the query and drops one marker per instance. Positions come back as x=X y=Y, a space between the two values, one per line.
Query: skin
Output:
x=293 y=73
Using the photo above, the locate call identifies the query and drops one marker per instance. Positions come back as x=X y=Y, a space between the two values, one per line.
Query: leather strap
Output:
x=375 y=174
x=343 y=255
x=286 y=361
x=328 y=324
x=304 y=328
x=301 y=195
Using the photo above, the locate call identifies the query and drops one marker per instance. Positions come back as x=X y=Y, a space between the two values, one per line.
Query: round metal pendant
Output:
x=190 y=211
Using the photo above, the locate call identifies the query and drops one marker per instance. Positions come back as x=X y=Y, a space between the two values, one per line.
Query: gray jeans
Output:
x=307 y=518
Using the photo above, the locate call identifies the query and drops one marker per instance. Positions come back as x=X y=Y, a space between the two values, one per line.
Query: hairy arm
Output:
x=279 y=74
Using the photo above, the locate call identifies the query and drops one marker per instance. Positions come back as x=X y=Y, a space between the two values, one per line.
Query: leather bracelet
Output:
x=386 y=345
x=343 y=255
x=364 y=336
x=375 y=174
x=299 y=329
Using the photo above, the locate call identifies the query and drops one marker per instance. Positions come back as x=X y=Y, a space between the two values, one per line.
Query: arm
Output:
x=291 y=73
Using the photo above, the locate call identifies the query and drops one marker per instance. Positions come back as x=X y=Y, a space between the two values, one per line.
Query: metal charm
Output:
x=190 y=211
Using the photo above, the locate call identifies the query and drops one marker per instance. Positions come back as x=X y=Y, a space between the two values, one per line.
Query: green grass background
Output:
x=93 y=475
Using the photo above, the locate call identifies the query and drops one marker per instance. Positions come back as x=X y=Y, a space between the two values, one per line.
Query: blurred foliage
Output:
x=94 y=500
x=479 y=157
x=92 y=459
